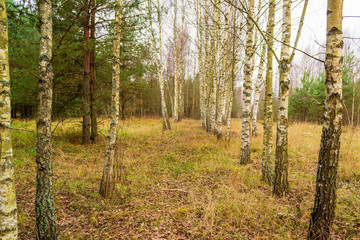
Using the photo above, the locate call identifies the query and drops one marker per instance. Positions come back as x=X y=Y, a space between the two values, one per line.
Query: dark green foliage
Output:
x=138 y=93
x=307 y=103
x=24 y=40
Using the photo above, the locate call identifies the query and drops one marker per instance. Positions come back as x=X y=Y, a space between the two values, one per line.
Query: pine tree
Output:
x=86 y=77
x=93 y=115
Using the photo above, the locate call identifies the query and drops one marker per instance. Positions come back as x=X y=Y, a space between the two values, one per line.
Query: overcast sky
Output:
x=314 y=29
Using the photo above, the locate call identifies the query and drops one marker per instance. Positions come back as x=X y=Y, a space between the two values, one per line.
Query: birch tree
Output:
x=159 y=63
x=231 y=77
x=44 y=202
x=200 y=39
x=224 y=81
x=182 y=55
x=247 y=87
x=258 y=84
x=108 y=179
x=281 y=183
x=268 y=115
x=176 y=70
x=207 y=68
x=323 y=213
x=8 y=209
x=214 y=65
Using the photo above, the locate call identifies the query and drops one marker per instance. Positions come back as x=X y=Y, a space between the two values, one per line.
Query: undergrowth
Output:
x=182 y=184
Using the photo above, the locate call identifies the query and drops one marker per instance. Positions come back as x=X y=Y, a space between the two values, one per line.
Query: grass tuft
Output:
x=183 y=184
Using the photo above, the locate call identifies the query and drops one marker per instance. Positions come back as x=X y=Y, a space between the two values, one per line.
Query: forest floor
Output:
x=183 y=184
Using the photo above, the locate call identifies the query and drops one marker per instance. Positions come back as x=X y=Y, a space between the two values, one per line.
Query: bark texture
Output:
x=176 y=70
x=267 y=174
x=208 y=68
x=159 y=62
x=201 y=61
x=214 y=42
x=231 y=78
x=86 y=78
x=182 y=66
x=323 y=213
x=44 y=202
x=281 y=183
x=108 y=178
x=258 y=84
x=247 y=87
x=223 y=87
x=165 y=116
x=8 y=210
x=93 y=115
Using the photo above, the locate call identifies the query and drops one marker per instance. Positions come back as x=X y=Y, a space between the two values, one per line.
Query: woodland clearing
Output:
x=182 y=184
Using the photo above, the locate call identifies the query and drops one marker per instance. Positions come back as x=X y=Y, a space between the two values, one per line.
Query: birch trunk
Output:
x=44 y=202
x=214 y=75
x=353 y=104
x=176 y=74
x=194 y=94
x=159 y=64
x=257 y=82
x=226 y=73
x=281 y=183
x=220 y=107
x=201 y=65
x=86 y=78
x=247 y=88
x=182 y=66
x=207 y=69
x=323 y=213
x=8 y=210
x=171 y=96
x=231 y=78
x=166 y=122
x=267 y=174
x=108 y=179
x=257 y=92
x=223 y=84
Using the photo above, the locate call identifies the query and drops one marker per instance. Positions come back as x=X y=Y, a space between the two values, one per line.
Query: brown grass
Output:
x=183 y=184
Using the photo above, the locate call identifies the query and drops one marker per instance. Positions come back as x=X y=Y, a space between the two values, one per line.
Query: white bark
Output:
x=107 y=181
x=8 y=210
x=247 y=87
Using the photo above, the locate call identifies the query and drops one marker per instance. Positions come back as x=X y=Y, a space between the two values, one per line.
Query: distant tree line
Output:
x=307 y=101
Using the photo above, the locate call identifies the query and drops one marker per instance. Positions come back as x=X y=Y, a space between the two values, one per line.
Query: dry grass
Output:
x=183 y=184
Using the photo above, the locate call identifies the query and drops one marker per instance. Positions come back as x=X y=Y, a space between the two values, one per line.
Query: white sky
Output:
x=315 y=21
x=313 y=35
